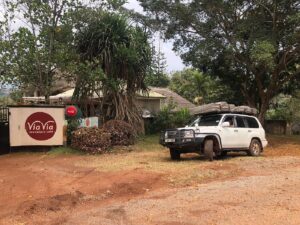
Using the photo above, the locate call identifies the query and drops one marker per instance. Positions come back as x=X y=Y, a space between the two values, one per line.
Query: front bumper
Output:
x=177 y=139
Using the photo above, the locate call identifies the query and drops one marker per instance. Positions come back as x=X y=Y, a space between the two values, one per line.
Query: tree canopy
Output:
x=200 y=89
x=157 y=76
x=252 y=45
x=39 y=45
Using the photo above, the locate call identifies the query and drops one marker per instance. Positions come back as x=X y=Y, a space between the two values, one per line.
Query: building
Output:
x=151 y=102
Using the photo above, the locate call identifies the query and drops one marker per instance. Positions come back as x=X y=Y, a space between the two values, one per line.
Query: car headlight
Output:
x=188 y=134
x=166 y=134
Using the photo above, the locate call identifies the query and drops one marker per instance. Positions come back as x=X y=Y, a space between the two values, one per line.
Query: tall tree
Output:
x=157 y=76
x=120 y=56
x=252 y=44
x=38 y=45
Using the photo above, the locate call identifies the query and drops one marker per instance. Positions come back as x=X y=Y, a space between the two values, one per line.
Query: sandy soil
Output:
x=37 y=188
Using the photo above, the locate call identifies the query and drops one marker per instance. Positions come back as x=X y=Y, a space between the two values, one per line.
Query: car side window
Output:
x=240 y=121
x=229 y=119
x=252 y=123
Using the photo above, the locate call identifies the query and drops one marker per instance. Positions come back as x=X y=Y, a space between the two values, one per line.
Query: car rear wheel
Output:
x=255 y=148
x=175 y=155
x=209 y=150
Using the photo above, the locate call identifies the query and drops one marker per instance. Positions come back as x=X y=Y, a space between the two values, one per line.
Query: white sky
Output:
x=174 y=62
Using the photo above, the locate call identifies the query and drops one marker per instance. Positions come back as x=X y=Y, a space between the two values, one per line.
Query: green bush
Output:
x=73 y=125
x=167 y=118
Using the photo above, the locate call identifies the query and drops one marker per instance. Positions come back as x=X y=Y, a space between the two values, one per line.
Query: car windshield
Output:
x=208 y=120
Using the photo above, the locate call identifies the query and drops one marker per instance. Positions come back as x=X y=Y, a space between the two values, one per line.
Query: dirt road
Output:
x=145 y=187
x=270 y=198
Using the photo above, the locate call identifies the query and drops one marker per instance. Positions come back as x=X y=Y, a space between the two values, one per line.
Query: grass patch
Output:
x=64 y=151
x=148 y=143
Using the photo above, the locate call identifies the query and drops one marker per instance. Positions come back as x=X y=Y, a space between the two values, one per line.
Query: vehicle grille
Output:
x=176 y=133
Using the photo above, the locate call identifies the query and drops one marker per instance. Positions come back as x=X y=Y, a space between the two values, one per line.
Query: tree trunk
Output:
x=47 y=98
x=263 y=109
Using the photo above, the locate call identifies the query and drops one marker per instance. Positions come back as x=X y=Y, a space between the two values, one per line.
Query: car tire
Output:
x=209 y=150
x=255 y=148
x=175 y=154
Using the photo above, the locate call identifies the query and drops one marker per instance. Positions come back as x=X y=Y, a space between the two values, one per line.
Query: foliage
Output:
x=157 y=79
x=120 y=55
x=16 y=96
x=200 y=89
x=121 y=132
x=156 y=76
x=32 y=54
x=285 y=107
x=6 y=100
x=73 y=124
x=91 y=140
x=37 y=42
x=253 y=46
x=167 y=118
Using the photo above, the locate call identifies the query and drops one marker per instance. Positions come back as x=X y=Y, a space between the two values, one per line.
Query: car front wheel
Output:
x=255 y=148
x=209 y=149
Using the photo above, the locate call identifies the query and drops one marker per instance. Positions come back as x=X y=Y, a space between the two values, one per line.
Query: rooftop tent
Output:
x=222 y=107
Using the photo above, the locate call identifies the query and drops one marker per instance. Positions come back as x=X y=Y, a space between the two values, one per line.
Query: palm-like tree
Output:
x=122 y=53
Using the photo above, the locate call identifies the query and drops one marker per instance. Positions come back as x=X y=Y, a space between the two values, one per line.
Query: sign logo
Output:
x=71 y=111
x=40 y=126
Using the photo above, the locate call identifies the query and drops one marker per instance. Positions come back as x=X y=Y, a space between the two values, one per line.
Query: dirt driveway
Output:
x=144 y=187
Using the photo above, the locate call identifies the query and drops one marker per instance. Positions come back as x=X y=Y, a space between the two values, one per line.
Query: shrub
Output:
x=122 y=133
x=91 y=140
x=167 y=118
x=73 y=124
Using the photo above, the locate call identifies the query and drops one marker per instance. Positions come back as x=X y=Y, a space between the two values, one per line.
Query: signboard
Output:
x=89 y=122
x=36 y=126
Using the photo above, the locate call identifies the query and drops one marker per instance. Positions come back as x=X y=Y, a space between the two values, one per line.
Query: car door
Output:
x=229 y=135
x=252 y=128
x=243 y=137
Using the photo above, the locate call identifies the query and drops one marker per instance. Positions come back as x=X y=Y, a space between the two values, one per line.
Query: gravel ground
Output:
x=144 y=187
x=270 y=198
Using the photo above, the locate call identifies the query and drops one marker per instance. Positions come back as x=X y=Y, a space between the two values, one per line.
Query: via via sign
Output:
x=71 y=111
x=40 y=126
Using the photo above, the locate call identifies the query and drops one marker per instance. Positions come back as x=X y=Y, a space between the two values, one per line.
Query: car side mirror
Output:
x=226 y=124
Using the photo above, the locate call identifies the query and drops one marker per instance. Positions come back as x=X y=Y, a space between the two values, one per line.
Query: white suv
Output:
x=215 y=135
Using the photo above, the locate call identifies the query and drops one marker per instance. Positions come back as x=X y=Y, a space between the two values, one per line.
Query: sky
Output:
x=174 y=62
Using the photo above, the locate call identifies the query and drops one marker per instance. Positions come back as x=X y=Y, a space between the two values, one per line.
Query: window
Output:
x=252 y=123
x=195 y=122
x=240 y=121
x=209 y=120
x=229 y=119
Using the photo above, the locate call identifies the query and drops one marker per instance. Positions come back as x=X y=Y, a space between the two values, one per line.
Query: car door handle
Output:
x=236 y=131
x=249 y=131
